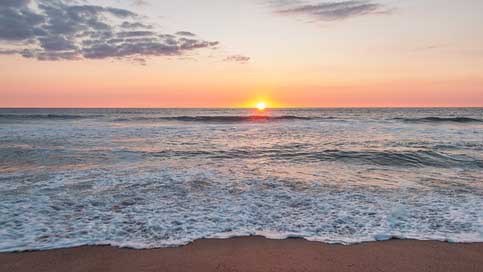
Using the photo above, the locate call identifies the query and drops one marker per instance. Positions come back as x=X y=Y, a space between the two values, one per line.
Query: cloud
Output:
x=17 y=22
x=185 y=33
x=67 y=30
x=135 y=25
x=328 y=10
x=140 y=2
x=431 y=47
x=7 y=52
x=237 y=58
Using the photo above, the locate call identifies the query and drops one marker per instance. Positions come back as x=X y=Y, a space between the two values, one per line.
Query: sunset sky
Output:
x=235 y=53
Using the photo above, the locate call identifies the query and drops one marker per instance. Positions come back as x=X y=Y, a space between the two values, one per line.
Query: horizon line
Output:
x=269 y=108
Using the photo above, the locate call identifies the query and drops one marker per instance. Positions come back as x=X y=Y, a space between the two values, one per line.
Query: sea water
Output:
x=146 y=178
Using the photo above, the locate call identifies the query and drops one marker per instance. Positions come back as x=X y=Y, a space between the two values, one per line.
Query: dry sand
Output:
x=257 y=254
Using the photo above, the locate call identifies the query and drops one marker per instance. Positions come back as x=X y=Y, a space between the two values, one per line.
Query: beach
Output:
x=244 y=135
x=257 y=254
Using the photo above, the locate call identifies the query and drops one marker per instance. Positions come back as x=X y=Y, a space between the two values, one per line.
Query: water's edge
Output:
x=224 y=236
x=117 y=246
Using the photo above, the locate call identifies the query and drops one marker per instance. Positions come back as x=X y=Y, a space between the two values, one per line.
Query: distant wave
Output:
x=46 y=116
x=441 y=120
x=216 y=119
x=417 y=158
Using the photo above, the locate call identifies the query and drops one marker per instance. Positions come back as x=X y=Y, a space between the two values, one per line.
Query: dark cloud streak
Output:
x=329 y=10
x=237 y=58
x=185 y=33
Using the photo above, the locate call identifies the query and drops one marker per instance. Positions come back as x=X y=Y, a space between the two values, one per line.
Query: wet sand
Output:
x=257 y=254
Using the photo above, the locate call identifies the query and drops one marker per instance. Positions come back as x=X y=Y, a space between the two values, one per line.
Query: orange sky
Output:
x=404 y=55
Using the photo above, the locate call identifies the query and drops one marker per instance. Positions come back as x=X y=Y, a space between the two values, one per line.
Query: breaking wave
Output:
x=441 y=120
x=46 y=116
x=418 y=158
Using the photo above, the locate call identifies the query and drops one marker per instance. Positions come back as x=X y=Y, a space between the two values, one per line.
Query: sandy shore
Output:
x=257 y=254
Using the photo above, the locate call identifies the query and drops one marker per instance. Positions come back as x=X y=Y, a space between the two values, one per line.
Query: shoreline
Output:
x=256 y=253
x=235 y=237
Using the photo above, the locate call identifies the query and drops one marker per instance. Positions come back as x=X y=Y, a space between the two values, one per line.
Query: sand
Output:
x=257 y=254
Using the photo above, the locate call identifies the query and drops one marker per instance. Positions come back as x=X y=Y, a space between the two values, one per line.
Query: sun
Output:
x=261 y=106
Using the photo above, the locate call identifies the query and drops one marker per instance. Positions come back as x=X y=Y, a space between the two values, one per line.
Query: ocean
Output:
x=147 y=178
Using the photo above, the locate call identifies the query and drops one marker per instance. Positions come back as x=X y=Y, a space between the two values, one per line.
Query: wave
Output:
x=217 y=119
x=46 y=116
x=441 y=120
x=417 y=159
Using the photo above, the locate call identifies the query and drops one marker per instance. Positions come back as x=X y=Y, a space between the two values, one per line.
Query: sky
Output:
x=236 y=53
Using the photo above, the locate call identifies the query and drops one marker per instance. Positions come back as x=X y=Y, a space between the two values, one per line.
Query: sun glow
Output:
x=261 y=106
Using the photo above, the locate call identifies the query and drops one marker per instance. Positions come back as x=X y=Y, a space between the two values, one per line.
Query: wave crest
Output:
x=46 y=116
x=217 y=119
x=417 y=158
x=441 y=120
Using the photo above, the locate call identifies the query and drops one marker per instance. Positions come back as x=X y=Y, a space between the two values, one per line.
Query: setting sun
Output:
x=261 y=106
